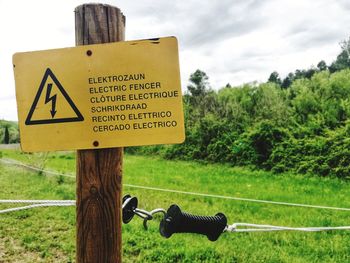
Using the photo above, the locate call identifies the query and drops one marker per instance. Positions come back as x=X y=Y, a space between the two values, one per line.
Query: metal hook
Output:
x=130 y=209
x=145 y=215
x=153 y=212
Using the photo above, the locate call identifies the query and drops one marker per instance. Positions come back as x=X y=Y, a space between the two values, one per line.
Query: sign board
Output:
x=99 y=96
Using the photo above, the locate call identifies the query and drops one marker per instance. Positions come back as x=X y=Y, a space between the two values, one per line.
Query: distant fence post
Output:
x=99 y=172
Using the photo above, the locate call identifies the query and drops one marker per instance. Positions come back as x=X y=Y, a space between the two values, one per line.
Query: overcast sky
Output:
x=233 y=41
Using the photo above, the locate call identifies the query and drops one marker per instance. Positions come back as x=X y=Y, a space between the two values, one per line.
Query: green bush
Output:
x=323 y=155
x=304 y=128
x=256 y=145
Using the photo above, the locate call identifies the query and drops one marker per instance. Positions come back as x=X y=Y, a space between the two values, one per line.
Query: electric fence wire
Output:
x=236 y=227
x=270 y=228
x=41 y=204
x=8 y=161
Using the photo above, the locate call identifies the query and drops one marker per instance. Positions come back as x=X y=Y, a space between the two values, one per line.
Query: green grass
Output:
x=48 y=234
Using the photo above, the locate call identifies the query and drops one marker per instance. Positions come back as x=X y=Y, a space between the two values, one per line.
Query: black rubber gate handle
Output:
x=176 y=221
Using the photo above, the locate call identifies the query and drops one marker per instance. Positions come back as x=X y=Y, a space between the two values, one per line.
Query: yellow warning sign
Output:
x=100 y=96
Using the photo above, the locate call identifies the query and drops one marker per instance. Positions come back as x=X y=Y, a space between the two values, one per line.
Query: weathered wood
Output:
x=99 y=172
x=98 y=23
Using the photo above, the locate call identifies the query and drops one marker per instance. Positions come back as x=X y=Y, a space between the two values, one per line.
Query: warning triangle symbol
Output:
x=52 y=103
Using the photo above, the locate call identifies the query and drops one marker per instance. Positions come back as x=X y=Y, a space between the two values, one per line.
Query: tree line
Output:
x=299 y=124
x=342 y=62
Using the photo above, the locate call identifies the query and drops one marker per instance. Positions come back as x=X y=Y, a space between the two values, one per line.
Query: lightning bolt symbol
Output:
x=49 y=98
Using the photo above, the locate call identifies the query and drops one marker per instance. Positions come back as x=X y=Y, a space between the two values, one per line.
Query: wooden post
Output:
x=99 y=172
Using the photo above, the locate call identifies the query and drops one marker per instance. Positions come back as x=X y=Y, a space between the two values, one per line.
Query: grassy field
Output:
x=48 y=234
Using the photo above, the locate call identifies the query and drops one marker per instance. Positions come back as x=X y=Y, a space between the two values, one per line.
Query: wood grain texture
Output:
x=99 y=172
x=98 y=23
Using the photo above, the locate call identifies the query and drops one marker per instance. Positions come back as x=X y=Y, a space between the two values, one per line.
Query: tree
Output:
x=345 y=46
x=322 y=65
x=198 y=83
x=199 y=99
x=342 y=62
x=6 y=136
x=275 y=78
x=299 y=74
x=287 y=81
x=343 y=59
x=310 y=72
x=199 y=91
